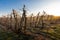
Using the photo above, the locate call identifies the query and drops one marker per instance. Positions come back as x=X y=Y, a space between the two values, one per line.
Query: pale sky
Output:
x=53 y=8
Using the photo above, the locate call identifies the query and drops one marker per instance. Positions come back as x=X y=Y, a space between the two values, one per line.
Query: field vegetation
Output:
x=39 y=27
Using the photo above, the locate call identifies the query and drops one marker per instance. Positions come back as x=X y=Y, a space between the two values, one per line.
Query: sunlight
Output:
x=53 y=8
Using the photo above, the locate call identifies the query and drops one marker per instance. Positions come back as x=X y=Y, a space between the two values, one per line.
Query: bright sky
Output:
x=34 y=6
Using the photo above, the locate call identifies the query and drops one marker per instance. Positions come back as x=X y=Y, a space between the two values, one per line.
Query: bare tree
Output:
x=23 y=20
